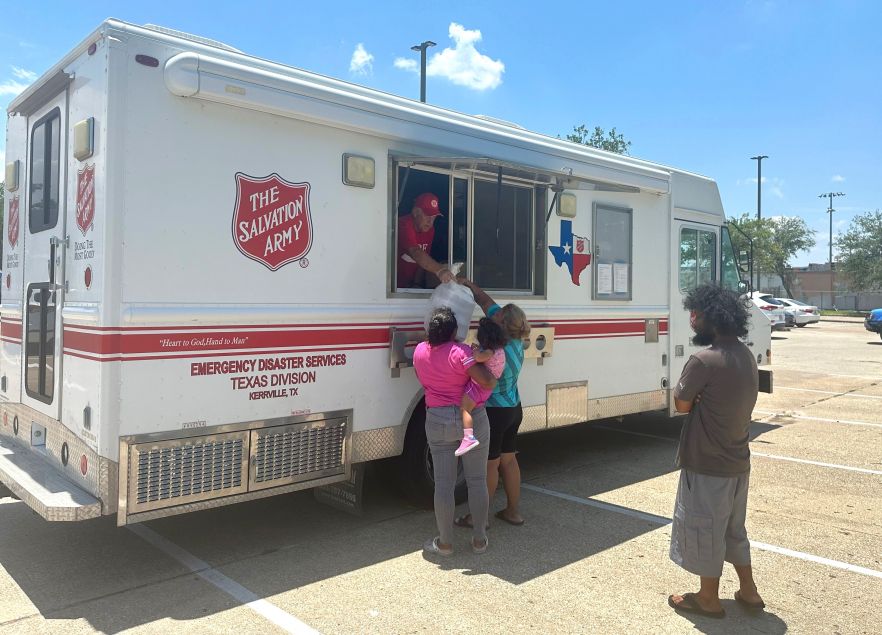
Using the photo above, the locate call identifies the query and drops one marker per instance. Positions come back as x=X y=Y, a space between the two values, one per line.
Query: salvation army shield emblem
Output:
x=86 y=198
x=12 y=228
x=272 y=223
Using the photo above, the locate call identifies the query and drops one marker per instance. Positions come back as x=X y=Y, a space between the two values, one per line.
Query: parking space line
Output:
x=776 y=457
x=662 y=521
x=274 y=614
x=830 y=392
x=796 y=416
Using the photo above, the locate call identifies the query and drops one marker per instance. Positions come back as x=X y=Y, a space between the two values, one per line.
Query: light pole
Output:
x=759 y=202
x=830 y=211
x=422 y=49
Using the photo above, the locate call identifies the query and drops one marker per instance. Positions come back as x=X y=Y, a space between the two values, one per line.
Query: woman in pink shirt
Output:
x=444 y=367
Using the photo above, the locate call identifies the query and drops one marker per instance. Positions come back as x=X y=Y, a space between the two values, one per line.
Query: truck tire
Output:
x=415 y=465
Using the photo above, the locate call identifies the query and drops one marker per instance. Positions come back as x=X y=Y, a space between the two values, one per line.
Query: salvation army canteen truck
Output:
x=200 y=302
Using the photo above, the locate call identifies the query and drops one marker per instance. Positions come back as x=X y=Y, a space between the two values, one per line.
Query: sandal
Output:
x=434 y=548
x=749 y=605
x=482 y=548
x=690 y=605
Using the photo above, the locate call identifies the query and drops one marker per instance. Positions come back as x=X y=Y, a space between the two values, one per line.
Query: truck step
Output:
x=46 y=490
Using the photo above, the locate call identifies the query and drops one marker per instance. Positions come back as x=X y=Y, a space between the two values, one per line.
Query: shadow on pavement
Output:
x=737 y=620
x=114 y=580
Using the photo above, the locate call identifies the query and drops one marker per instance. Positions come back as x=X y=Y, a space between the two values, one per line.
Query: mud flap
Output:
x=765 y=380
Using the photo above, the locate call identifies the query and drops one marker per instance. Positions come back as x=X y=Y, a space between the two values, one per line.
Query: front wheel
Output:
x=415 y=473
x=801 y=325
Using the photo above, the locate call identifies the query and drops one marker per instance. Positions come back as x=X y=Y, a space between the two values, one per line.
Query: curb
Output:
x=844 y=320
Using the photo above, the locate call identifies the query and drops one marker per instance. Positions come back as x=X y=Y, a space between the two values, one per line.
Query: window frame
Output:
x=538 y=283
x=36 y=228
x=715 y=259
x=45 y=390
x=595 y=259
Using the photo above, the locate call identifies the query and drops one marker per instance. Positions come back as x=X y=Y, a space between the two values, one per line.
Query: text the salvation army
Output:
x=288 y=215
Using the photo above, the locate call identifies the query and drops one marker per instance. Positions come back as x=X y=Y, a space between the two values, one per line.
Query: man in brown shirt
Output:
x=718 y=388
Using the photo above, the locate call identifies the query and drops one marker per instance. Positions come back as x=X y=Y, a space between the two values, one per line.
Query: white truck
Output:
x=199 y=299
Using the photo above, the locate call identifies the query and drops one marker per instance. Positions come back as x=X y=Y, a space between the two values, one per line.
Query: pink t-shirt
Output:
x=495 y=365
x=443 y=372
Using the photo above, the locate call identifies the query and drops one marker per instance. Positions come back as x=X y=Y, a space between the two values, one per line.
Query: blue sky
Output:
x=698 y=85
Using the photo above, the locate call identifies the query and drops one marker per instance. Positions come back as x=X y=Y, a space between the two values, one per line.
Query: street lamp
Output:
x=759 y=202
x=422 y=49
x=759 y=184
x=830 y=211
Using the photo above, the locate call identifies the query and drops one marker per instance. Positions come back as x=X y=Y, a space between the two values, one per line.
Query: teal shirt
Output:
x=506 y=395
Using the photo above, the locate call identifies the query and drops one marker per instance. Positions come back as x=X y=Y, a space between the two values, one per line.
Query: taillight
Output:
x=768 y=307
x=769 y=355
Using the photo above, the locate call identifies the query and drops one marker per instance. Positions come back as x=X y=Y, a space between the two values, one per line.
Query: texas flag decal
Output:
x=574 y=251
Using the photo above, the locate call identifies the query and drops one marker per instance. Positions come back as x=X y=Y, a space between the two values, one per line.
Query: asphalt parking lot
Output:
x=591 y=558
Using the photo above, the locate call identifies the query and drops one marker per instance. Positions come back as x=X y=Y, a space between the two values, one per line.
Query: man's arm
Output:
x=692 y=381
x=482 y=376
x=682 y=406
x=484 y=301
x=428 y=263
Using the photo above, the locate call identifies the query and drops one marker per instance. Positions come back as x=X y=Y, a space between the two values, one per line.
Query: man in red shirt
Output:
x=415 y=234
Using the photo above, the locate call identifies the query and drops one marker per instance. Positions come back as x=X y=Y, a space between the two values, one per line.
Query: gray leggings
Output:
x=444 y=432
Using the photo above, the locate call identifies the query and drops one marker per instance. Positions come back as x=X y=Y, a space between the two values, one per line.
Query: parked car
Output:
x=802 y=313
x=873 y=321
x=772 y=310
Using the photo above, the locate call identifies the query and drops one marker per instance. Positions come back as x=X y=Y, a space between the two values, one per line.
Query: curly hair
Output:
x=726 y=312
x=514 y=322
x=490 y=335
x=442 y=326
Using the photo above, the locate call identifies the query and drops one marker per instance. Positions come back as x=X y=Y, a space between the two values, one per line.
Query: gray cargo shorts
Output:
x=708 y=526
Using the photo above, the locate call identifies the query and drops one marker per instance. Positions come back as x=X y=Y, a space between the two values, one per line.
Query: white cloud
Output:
x=21 y=73
x=462 y=64
x=838 y=178
x=406 y=64
x=362 y=62
x=12 y=87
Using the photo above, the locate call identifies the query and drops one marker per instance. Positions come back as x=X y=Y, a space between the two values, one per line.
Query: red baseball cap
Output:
x=428 y=203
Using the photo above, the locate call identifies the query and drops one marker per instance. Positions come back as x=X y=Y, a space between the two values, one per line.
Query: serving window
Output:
x=491 y=224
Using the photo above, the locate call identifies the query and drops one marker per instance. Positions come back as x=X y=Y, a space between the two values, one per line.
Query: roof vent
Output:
x=191 y=37
x=501 y=122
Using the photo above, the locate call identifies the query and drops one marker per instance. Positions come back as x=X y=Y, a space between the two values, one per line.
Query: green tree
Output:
x=860 y=251
x=775 y=241
x=612 y=141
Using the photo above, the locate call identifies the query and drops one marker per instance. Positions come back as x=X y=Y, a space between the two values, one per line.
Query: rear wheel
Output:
x=415 y=465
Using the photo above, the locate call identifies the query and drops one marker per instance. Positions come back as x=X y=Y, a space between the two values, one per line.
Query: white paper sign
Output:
x=620 y=274
x=604 y=279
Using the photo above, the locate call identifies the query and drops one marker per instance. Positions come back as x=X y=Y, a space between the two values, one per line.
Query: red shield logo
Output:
x=86 y=198
x=580 y=245
x=12 y=228
x=272 y=223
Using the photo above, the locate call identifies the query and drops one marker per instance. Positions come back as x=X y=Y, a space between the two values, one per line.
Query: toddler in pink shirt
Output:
x=491 y=352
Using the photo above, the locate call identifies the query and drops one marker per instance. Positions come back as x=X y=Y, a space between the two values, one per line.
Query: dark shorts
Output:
x=504 y=424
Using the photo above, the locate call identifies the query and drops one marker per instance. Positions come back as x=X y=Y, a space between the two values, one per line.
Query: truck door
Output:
x=695 y=254
x=43 y=218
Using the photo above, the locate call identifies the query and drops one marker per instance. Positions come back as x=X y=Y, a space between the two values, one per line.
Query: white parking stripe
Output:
x=661 y=520
x=796 y=416
x=831 y=392
x=776 y=457
x=273 y=613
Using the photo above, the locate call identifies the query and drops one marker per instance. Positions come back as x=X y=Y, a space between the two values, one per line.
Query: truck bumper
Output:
x=45 y=489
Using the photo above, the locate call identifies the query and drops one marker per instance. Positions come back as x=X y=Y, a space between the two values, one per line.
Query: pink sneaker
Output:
x=467 y=444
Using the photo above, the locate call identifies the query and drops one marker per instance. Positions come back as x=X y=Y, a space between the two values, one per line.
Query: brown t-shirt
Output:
x=715 y=437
